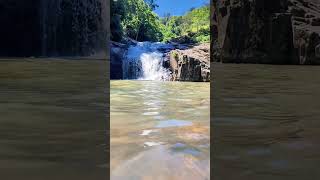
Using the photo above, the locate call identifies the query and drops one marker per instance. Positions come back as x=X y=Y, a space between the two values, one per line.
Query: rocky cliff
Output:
x=267 y=31
x=191 y=64
x=53 y=27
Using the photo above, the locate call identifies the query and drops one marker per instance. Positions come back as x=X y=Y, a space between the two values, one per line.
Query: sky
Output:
x=177 y=7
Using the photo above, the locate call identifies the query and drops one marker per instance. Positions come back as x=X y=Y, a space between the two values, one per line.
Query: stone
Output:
x=315 y=22
x=306 y=42
x=117 y=54
x=191 y=64
x=263 y=31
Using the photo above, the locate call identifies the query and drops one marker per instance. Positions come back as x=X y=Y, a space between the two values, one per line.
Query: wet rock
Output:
x=117 y=54
x=192 y=64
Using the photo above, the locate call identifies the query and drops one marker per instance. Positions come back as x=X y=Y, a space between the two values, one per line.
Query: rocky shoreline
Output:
x=266 y=31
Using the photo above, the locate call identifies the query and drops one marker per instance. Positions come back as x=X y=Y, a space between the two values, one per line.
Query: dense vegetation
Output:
x=135 y=19
x=195 y=25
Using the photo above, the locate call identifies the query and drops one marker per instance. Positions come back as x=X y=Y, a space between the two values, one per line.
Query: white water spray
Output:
x=144 y=61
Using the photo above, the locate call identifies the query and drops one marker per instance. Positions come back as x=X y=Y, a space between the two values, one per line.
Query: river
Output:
x=265 y=122
x=159 y=130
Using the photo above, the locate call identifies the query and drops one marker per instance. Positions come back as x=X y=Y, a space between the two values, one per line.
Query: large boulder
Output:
x=191 y=64
x=117 y=54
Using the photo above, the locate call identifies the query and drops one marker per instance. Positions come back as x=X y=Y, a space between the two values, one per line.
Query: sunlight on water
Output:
x=154 y=135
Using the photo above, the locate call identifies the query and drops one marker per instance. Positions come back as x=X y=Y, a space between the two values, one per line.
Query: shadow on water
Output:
x=265 y=122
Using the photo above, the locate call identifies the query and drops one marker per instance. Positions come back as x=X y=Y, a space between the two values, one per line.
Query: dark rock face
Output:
x=190 y=65
x=317 y=51
x=264 y=31
x=117 y=54
x=73 y=27
x=306 y=31
x=19 y=28
x=53 y=27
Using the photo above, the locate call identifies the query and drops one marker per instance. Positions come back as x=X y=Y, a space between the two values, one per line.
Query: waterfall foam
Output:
x=144 y=61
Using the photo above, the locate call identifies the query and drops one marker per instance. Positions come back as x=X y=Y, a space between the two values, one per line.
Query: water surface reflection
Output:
x=159 y=130
x=266 y=122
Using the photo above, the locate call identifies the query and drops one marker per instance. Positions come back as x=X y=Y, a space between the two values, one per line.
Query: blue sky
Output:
x=177 y=7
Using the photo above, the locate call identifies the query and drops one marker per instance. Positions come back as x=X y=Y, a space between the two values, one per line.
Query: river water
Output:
x=159 y=130
x=53 y=119
x=265 y=122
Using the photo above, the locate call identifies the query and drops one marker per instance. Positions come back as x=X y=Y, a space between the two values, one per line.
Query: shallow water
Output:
x=53 y=119
x=266 y=122
x=159 y=130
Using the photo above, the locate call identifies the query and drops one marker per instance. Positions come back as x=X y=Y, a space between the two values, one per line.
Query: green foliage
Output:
x=136 y=19
x=195 y=24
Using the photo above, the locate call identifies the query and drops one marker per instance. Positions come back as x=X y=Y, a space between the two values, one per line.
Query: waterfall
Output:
x=144 y=61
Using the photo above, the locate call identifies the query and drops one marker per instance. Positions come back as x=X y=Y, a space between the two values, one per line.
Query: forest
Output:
x=137 y=20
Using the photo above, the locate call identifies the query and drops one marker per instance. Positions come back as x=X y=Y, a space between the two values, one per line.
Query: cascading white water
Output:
x=144 y=61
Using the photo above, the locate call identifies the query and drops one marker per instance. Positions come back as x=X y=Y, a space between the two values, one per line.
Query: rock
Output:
x=73 y=27
x=306 y=42
x=192 y=64
x=276 y=32
x=254 y=31
x=53 y=27
x=117 y=54
x=315 y=22
x=317 y=51
x=299 y=12
x=306 y=33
